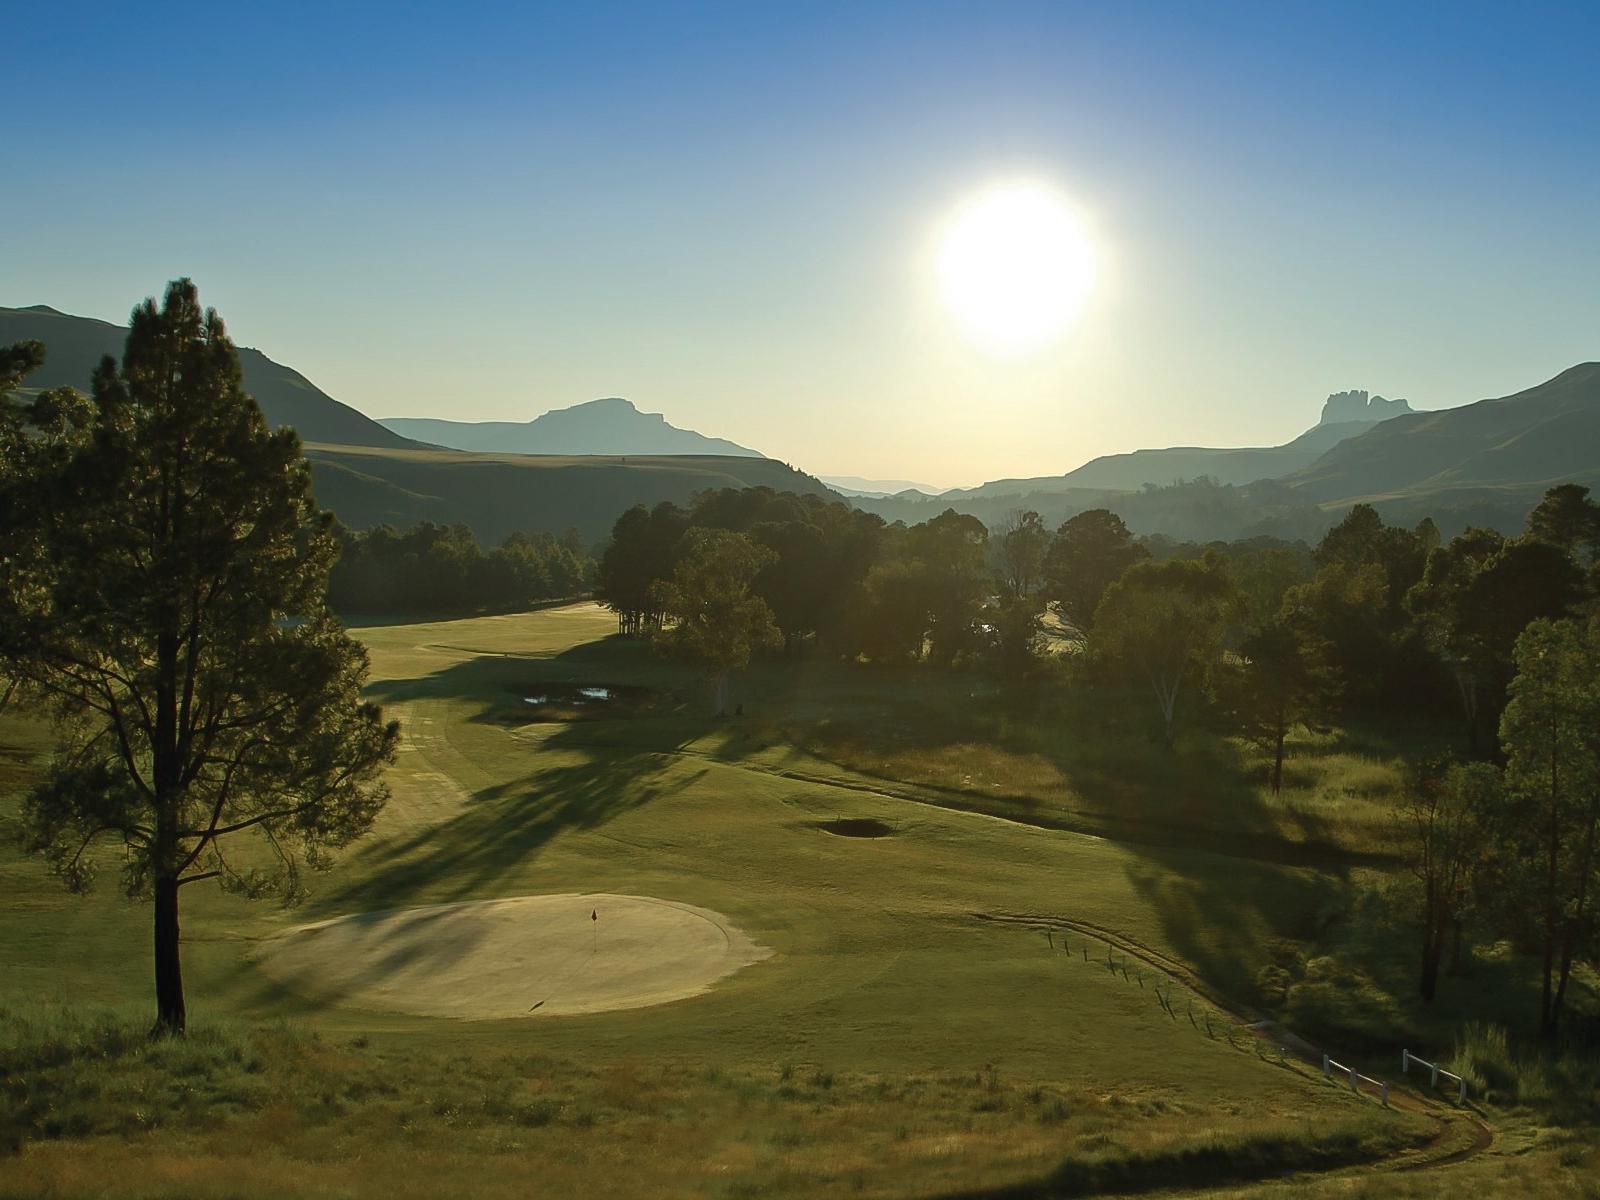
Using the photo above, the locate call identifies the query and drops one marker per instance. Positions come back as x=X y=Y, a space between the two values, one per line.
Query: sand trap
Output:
x=856 y=827
x=526 y=956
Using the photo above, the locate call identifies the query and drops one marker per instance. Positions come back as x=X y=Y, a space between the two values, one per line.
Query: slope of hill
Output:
x=499 y=494
x=1517 y=444
x=74 y=347
x=609 y=426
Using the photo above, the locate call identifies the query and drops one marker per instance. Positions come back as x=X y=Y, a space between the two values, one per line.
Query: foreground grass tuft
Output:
x=80 y=1092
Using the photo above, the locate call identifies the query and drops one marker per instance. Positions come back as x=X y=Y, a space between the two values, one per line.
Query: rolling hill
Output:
x=499 y=494
x=609 y=426
x=74 y=347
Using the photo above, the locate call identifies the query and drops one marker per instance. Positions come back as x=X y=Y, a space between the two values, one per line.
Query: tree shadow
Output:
x=501 y=830
x=1072 y=759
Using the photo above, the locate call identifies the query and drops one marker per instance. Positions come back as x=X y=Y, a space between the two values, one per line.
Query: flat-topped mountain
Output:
x=1521 y=443
x=74 y=347
x=609 y=426
x=1344 y=407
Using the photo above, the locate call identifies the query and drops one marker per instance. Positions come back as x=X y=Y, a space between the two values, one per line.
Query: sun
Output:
x=1016 y=268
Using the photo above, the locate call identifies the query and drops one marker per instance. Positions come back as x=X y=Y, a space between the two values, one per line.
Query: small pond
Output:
x=577 y=701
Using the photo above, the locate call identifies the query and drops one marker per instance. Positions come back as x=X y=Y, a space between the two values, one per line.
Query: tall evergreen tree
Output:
x=163 y=593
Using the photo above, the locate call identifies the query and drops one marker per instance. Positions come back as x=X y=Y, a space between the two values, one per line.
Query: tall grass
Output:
x=1499 y=1070
x=66 y=1072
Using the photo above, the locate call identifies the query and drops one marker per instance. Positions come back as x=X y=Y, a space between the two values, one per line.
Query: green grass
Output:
x=897 y=1042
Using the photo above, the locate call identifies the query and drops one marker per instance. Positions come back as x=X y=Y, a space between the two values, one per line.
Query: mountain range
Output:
x=1344 y=415
x=1485 y=463
x=1488 y=462
x=370 y=475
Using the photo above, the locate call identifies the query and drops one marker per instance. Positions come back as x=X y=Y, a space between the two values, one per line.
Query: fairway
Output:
x=525 y=956
x=958 y=999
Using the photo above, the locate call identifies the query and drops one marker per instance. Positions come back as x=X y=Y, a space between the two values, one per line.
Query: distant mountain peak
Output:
x=1344 y=407
x=609 y=425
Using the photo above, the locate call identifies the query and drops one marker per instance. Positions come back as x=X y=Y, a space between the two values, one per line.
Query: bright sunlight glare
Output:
x=1015 y=268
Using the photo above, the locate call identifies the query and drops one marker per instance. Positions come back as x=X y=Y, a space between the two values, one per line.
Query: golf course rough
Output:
x=522 y=956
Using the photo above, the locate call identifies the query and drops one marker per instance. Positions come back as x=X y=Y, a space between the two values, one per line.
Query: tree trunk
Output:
x=1455 y=947
x=1547 y=1010
x=1469 y=709
x=1577 y=924
x=170 y=1014
x=722 y=694
x=1277 y=762
x=1167 y=698
x=1428 y=981
x=1428 y=985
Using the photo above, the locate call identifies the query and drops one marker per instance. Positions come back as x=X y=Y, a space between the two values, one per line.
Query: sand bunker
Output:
x=525 y=956
x=856 y=827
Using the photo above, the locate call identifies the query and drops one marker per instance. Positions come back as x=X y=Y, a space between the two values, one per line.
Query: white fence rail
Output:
x=1329 y=1067
x=1407 y=1058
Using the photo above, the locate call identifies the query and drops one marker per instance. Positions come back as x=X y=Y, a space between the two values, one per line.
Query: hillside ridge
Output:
x=75 y=345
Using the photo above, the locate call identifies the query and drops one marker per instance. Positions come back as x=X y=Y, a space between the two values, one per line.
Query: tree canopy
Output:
x=715 y=620
x=1088 y=554
x=1161 y=626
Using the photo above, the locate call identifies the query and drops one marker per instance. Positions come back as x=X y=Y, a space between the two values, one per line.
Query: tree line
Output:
x=1373 y=618
x=440 y=570
x=1262 y=635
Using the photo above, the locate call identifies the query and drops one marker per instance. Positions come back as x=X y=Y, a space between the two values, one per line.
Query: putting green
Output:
x=523 y=956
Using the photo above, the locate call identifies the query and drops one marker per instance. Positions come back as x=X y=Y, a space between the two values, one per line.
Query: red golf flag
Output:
x=595 y=915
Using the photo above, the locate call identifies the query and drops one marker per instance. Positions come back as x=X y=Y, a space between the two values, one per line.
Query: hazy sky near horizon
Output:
x=728 y=213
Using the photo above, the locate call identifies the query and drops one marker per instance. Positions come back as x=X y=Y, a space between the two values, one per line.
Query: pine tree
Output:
x=162 y=578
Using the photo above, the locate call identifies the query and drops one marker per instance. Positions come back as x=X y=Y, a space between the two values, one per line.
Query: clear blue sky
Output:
x=724 y=213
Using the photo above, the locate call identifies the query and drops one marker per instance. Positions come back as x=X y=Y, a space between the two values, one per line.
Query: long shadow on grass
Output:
x=1208 y=1164
x=501 y=830
x=1081 y=760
